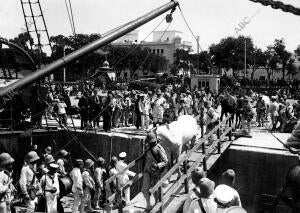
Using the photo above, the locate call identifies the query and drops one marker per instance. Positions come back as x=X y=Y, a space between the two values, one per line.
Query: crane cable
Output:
x=69 y=17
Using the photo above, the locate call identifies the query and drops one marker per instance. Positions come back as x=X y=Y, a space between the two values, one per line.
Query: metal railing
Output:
x=206 y=151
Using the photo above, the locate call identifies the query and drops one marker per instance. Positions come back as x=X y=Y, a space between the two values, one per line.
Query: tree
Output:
x=291 y=68
x=282 y=53
x=271 y=61
x=258 y=59
x=229 y=53
x=204 y=61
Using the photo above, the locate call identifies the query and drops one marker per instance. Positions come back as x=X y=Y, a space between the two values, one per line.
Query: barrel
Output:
x=65 y=185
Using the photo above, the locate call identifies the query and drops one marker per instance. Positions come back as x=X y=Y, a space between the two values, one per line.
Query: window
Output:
x=162 y=51
x=199 y=84
x=157 y=51
x=207 y=84
x=153 y=50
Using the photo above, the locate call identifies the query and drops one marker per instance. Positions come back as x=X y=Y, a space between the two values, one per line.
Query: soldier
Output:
x=212 y=120
x=77 y=187
x=88 y=183
x=50 y=188
x=124 y=178
x=197 y=175
x=247 y=116
x=113 y=171
x=63 y=162
x=99 y=176
x=155 y=163
x=261 y=111
x=6 y=186
x=158 y=109
x=273 y=109
x=28 y=182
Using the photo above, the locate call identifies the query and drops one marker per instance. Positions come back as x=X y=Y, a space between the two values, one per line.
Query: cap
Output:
x=53 y=166
x=228 y=177
x=206 y=187
x=151 y=138
x=122 y=155
x=224 y=194
x=48 y=149
x=197 y=174
x=78 y=162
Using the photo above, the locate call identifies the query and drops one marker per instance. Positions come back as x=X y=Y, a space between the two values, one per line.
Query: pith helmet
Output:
x=5 y=159
x=31 y=156
x=88 y=163
x=63 y=153
x=151 y=138
x=49 y=159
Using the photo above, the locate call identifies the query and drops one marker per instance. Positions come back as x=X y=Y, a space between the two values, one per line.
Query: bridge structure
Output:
x=172 y=196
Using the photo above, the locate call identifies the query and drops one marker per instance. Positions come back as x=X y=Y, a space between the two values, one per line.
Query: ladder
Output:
x=36 y=28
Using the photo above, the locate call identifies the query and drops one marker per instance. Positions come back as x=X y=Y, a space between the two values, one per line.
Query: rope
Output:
x=279 y=5
x=189 y=27
x=69 y=17
x=72 y=16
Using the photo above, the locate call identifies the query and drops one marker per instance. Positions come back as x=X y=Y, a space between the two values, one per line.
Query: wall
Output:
x=258 y=172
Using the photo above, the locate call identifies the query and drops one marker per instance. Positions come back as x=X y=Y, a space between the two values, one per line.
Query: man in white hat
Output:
x=158 y=108
x=225 y=197
x=124 y=178
x=50 y=188
x=77 y=187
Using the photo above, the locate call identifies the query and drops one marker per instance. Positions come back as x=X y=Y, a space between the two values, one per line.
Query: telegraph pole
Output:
x=245 y=72
x=198 y=56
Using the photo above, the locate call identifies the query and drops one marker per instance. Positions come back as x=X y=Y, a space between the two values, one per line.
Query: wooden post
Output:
x=119 y=196
x=219 y=140
x=186 y=180
x=107 y=205
x=204 y=159
x=230 y=132
x=161 y=197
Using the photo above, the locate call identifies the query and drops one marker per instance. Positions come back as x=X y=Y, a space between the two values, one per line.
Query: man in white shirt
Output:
x=99 y=175
x=28 y=181
x=124 y=178
x=77 y=187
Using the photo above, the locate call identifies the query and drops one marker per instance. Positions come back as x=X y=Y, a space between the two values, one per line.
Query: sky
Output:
x=211 y=20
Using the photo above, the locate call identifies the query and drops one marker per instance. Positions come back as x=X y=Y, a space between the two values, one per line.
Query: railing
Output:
x=206 y=152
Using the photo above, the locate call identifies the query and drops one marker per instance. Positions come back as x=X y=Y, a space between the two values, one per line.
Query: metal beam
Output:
x=108 y=38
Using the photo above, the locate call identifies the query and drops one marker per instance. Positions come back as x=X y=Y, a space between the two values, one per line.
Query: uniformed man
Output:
x=77 y=187
x=63 y=162
x=28 y=182
x=88 y=183
x=99 y=176
x=212 y=120
x=6 y=186
x=124 y=178
x=155 y=163
x=158 y=108
x=261 y=111
x=50 y=188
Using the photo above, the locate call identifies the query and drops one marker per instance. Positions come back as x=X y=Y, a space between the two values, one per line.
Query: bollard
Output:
x=219 y=140
x=186 y=182
x=161 y=197
x=230 y=132
x=204 y=159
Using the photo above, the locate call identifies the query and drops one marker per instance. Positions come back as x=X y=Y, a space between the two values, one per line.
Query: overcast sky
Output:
x=212 y=20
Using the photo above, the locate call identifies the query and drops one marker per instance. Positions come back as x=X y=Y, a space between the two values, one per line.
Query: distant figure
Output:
x=261 y=111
